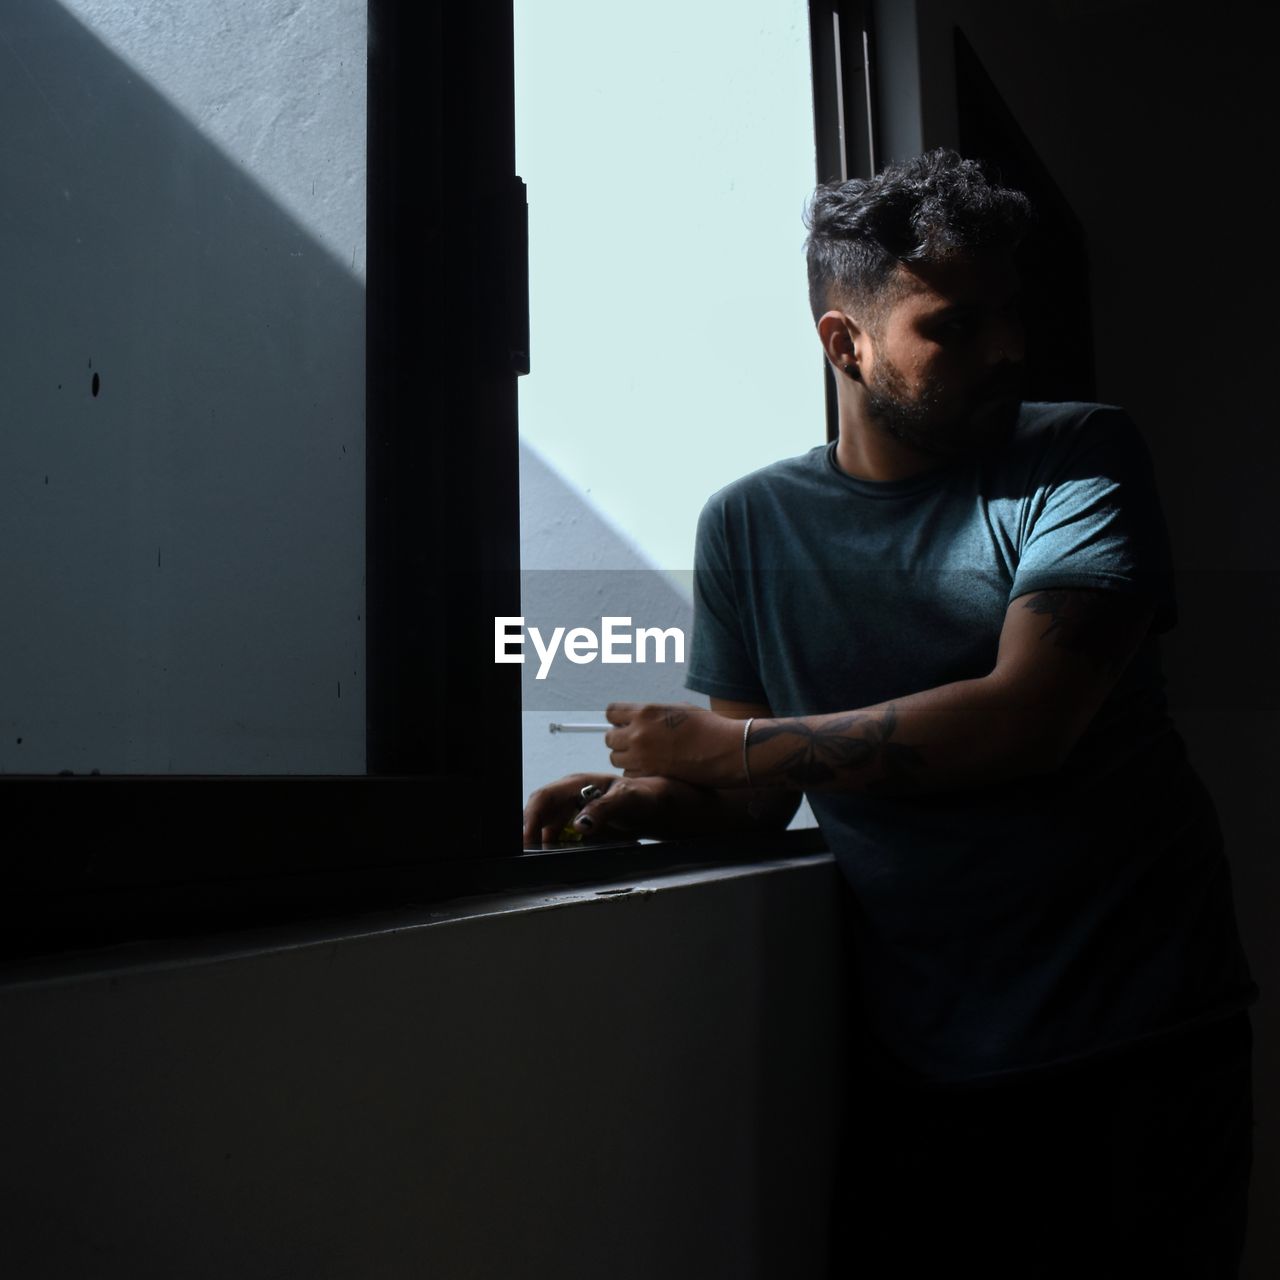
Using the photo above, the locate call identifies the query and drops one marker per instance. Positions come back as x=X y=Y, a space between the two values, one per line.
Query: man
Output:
x=942 y=628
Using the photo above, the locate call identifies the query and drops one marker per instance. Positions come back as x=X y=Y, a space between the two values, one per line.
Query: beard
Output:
x=934 y=422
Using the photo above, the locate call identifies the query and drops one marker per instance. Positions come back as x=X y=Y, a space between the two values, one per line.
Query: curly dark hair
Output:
x=922 y=210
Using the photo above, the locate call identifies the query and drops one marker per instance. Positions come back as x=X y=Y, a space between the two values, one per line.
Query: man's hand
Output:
x=675 y=740
x=663 y=806
x=626 y=807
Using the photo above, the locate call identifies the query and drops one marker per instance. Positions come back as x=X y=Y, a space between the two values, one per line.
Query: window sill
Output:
x=94 y=928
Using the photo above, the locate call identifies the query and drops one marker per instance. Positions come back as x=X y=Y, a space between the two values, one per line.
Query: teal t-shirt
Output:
x=1012 y=927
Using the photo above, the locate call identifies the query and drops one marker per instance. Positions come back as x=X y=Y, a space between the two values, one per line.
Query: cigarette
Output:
x=579 y=728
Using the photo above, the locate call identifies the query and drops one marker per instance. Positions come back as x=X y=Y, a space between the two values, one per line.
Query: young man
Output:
x=942 y=628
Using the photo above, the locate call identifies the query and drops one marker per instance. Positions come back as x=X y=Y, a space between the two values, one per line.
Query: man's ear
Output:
x=844 y=342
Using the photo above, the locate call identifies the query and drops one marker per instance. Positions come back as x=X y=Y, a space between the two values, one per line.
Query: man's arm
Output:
x=1060 y=654
x=744 y=808
x=659 y=807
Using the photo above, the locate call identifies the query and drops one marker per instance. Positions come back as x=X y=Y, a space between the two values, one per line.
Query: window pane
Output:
x=668 y=154
x=183 y=479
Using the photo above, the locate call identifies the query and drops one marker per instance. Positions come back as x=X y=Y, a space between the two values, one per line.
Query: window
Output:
x=667 y=161
x=144 y=848
x=207 y=293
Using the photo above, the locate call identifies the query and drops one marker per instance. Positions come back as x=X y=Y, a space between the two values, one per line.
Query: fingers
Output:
x=551 y=807
x=583 y=826
x=619 y=714
x=548 y=808
x=624 y=807
x=627 y=717
x=617 y=811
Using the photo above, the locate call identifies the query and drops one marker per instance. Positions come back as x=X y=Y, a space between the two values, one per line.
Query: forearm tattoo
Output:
x=841 y=747
x=1079 y=623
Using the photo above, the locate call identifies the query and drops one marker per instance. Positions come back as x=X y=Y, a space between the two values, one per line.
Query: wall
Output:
x=182 y=456
x=633 y=1080
x=1150 y=117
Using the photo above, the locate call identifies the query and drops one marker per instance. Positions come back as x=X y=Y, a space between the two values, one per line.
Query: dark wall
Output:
x=1156 y=120
x=629 y=1080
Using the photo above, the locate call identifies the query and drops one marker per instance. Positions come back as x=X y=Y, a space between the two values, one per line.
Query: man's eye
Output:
x=958 y=328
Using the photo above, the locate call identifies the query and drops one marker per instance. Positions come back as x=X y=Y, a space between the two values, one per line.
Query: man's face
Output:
x=945 y=368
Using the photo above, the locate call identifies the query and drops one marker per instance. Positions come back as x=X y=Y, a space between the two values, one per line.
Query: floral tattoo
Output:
x=823 y=754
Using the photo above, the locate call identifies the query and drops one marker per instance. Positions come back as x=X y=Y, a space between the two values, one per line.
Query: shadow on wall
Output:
x=576 y=570
x=183 y=440
x=560 y=529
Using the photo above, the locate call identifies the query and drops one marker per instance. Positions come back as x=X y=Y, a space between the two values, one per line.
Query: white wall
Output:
x=183 y=218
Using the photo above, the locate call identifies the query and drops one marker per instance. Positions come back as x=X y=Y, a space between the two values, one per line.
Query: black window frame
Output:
x=97 y=861
x=845 y=111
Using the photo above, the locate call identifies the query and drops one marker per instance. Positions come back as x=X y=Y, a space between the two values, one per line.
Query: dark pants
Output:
x=1137 y=1167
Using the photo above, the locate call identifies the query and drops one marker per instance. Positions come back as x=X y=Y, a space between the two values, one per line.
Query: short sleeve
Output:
x=1096 y=520
x=720 y=662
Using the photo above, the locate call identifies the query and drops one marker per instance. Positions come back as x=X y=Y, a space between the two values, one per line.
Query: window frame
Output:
x=845 y=113
x=94 y=858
